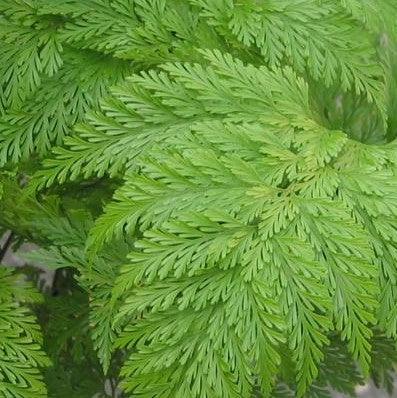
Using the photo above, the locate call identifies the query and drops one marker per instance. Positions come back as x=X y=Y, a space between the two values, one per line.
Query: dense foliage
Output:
x=213 y=183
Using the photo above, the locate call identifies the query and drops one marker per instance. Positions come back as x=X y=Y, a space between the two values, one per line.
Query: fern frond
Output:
x=28 y=55
x=68 y=95
x=196 y=249
x=249 y=249
x=287 y=217
x=317 y=37
x=21 y=355
x=143 y=112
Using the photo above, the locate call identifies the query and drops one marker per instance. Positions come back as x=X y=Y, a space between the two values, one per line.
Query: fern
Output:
x=21 y=355
x=213 y=185
x=47 y=87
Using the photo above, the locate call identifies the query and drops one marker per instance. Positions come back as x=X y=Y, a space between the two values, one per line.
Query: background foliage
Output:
x=213 y=183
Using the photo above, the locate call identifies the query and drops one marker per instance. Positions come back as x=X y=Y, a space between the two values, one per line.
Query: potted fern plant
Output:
x=212 y=184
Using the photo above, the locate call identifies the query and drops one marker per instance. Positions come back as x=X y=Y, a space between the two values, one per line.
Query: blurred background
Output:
x=369 y=391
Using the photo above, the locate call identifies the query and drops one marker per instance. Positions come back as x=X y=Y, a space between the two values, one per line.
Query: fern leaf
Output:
x=21 y=355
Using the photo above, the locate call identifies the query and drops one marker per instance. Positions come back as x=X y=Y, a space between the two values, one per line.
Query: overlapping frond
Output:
x=317 y=37
x=252 y=190
x=157 y=106
x=21 y=354
x=46 y=86
x=257 y=211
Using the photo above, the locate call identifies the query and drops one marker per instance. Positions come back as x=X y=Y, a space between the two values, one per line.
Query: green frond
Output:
x=143 y=112
x=214 y=182
x=21 y=355
x=317 y=37
x=288 y=215
x=68 y=94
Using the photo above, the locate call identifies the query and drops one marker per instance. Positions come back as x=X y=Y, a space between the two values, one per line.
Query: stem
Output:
x=56 y=281
x=6 y=246
x=113 y=387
